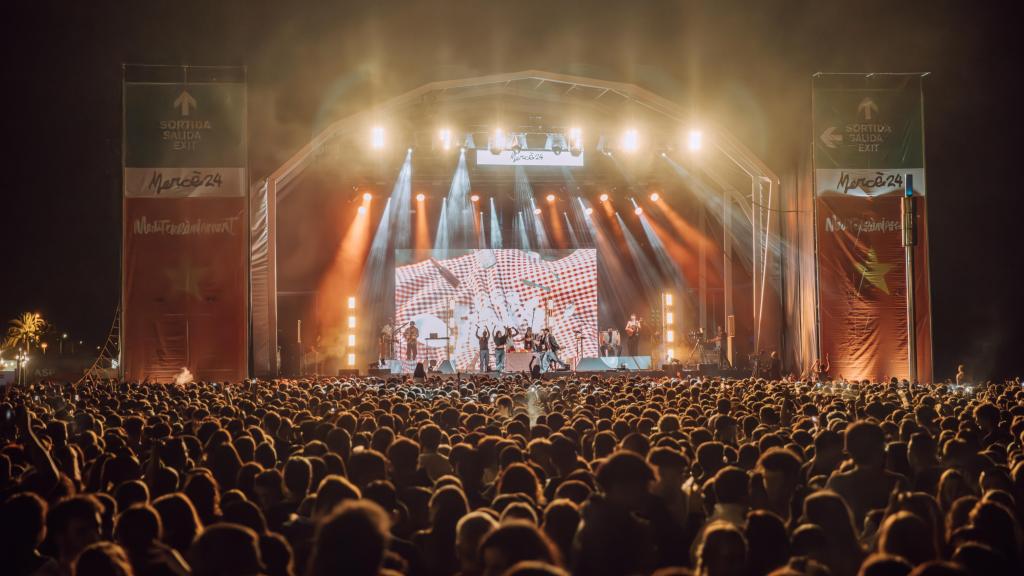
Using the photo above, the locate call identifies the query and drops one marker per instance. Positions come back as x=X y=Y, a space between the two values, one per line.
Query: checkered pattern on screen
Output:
x=500 y=288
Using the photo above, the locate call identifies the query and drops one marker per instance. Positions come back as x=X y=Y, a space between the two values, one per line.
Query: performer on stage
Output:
x=485 y=351
x=412 y=335
x=774 y=366
x=550 y=348
x=820 y=368
x=611 y=344
x=387 y=342
x=528 y=339
x=501 y=340
x=633 y=335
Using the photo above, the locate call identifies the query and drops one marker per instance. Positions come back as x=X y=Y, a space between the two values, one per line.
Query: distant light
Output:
x=670 y=336
x=498 y=141
x=445 y=135
x=421 y=197
x=670 y=318
x=695 y=140
x=536 y=211
x=377 y=138
x=351 y=339
x=575 y=141
x=475 y=198
x=367 y=196
x=604 y=197
x=588 y=211
x=638 y=211
x=362 y=210
x=668 y=299
x=351 y=302
x=551 y=197
x=351 y=359
x=351 y=321
x=630 y=140
x=655 y=197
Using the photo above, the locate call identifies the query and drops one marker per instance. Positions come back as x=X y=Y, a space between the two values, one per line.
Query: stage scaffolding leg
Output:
x=702 y=296
x=727 y=250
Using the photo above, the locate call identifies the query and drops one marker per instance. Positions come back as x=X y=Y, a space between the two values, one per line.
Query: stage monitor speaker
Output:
x=617 y=363
x=592 y=365
x=445 y=367
x=348 y=372
x=709 y=370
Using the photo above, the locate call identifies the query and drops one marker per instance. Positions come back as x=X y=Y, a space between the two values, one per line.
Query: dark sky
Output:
x=746 y=65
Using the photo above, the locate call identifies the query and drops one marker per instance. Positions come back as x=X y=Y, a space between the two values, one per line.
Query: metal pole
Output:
x=909 y=240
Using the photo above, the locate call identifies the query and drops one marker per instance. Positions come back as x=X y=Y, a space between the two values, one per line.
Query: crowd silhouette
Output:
x=617 y=474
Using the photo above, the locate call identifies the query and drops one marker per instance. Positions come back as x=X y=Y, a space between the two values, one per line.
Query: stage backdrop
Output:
x=496 y=288
x=868 y=137
x=185 y=236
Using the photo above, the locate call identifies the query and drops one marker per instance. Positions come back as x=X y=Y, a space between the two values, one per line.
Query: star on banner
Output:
x=874 y=271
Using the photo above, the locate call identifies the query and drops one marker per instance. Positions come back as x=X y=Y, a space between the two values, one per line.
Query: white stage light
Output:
x=638 y=211
x=536 y=211
x=362 y=210
x=377 y=138
x=588 y=211
x=351 y=359
x=497 y=141
x=655 y=197
x=421 y=197
x=351 y=302
x=630 y=140
x=351 y=321
x=575 y=141
x=551 y=197
x=475 y=198
x=604 y=197
x=445 y=136
x=695 y=140
x=367 y=196
x=670 y=336
x=351 y=339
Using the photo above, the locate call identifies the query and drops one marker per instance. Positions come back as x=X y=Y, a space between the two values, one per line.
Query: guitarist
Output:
x=633 y=335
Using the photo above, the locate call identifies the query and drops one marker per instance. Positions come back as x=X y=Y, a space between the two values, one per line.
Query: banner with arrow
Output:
x=868 y=144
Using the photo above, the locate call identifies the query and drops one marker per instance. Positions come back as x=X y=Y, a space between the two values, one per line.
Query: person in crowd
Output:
x=492 y=474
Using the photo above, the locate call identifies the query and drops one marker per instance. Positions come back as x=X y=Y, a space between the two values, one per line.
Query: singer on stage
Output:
x=412 y=335
x=633 y=335
x=501 y=339
x=485 y=351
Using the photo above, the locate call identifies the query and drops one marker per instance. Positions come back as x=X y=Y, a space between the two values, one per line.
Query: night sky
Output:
x=746 y=65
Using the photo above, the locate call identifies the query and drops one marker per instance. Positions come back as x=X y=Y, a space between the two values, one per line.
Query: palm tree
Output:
x=25 y=331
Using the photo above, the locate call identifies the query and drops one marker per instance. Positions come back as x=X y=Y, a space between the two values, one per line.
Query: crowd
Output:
x=611 y=475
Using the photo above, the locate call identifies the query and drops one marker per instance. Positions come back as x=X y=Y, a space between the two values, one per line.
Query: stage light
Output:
x=630 y=140
x=655 y=197
x=367 y=196
x=351 y=339
x=351 y=359
x=575 y=141
x=377 y=138
x=536 y=211
x=670 y=336
x=604 y=198
x=670 y=318
x=421 y=197
x=497 y=141
x=361 y=210
x=668 y=299
x=445 y=136
x=475 y=198
x=695 y=140
x=638 y=211
x=351 y=321
x=551 y=197
x=588 y=211
x=351 y=302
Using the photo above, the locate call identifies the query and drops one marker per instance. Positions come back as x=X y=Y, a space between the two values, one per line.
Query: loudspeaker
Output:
x=591 y=365
x=446 y=367
x=709 y=370
x=348 y=372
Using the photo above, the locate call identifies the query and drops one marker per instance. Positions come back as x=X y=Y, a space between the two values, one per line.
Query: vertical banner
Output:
x=185 y=247
x=868 y=137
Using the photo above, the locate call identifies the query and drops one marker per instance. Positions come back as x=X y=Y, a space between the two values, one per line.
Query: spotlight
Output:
x=497 y=141
x=638 y=211
x=445 y=135
x=536 y=211
x=575 y=141
x=695 y=140
x=475 y=198
x=630 y=140
x=604 y=197
x=367 y=196
x=551 y=197
x=655 y=197
x=421 y=197
x=588 y=211
x=362 y=210
x=377 y=138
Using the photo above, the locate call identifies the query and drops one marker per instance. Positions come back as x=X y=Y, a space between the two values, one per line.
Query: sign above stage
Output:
x=528 y=158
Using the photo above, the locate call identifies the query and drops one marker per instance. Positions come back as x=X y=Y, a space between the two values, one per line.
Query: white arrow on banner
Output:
x=185 y=102
x=867 y=107
x=829 y=138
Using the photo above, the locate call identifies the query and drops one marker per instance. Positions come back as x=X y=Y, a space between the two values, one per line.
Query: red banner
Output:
x=185 y=288
x=863 y=296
